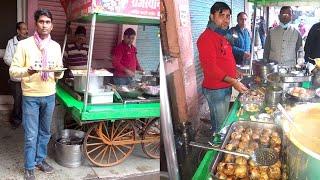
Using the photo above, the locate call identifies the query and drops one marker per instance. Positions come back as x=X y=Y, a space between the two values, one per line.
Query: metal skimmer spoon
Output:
x=261 y=156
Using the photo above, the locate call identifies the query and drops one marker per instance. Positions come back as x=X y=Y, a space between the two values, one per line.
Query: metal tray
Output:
x=245 y=124
x=293 y=78
x=290 y=95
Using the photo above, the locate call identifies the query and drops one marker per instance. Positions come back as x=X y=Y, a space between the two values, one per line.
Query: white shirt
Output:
x=10 y=50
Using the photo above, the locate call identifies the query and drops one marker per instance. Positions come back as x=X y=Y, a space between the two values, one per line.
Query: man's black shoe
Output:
x=45 y=167
x=29 y=175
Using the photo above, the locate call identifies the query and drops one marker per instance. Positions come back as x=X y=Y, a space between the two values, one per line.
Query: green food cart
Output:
x=114 y=128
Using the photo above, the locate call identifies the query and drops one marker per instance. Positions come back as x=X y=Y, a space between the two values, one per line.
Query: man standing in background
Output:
x=312 y=46
x=242 y=42
x=262 y=30
x=284 y=41
x=125 y=61
x=15 y=83
x=76 y=53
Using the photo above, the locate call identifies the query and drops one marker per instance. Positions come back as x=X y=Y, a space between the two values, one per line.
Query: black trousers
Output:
x=15 y=88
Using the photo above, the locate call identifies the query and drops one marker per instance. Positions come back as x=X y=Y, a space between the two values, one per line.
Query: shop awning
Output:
x=286 y=2
x=113 y=11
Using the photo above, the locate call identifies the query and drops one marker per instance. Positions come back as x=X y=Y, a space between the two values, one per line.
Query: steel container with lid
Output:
x=262 y=69
x=273 y=96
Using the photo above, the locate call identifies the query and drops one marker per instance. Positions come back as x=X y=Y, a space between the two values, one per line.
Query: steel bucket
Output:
x=68 y=147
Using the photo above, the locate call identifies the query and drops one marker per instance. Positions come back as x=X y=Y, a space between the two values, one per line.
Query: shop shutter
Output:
x=105 y=34
x=148 y=46
x=199 y=14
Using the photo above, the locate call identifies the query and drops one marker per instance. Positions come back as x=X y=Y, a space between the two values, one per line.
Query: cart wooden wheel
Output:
x=109 y=143
x=152 y=132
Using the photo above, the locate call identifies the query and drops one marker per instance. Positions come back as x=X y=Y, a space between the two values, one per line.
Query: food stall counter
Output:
x=102 y=112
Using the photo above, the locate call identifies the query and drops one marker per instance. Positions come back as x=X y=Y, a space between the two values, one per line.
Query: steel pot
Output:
x=262 y=69
x=316 y=78
x=301 y=151
x=274 y=80
x=273 y=96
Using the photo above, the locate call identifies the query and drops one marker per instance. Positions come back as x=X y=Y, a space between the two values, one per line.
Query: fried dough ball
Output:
x=236 y=135
x=277 y=148
x=243 y=145
x=221 y=175
x=263 y=175
x=239 y=129
x=241 y=160
x=220 y=166
x=245 y=137
x=240 y=171
x=275 y=140
x=234 y=142
x=255 y=136
x=264 y=140
x=249 y=131
x=274 y=172
x=275 y=134
x=229 y=147
x=249 y=150
x=263 y=169
x=254 y=145
x=229 y=158
x=254 y=174
x=229 y=169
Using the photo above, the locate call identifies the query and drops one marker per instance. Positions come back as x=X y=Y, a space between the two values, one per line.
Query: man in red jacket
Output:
x=218 y=64
x=125 y=61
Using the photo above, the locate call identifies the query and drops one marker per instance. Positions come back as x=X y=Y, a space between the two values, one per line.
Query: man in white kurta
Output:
x=283 y=42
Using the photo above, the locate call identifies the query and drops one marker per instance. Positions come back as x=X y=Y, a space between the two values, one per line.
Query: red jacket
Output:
x=125 y=57
x=216 y=59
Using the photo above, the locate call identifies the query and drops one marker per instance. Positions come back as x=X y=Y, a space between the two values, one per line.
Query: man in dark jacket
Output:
x=242 y=43
x=218 y=64
x=312 y=45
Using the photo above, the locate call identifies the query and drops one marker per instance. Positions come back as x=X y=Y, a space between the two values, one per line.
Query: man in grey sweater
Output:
x=283 y=42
